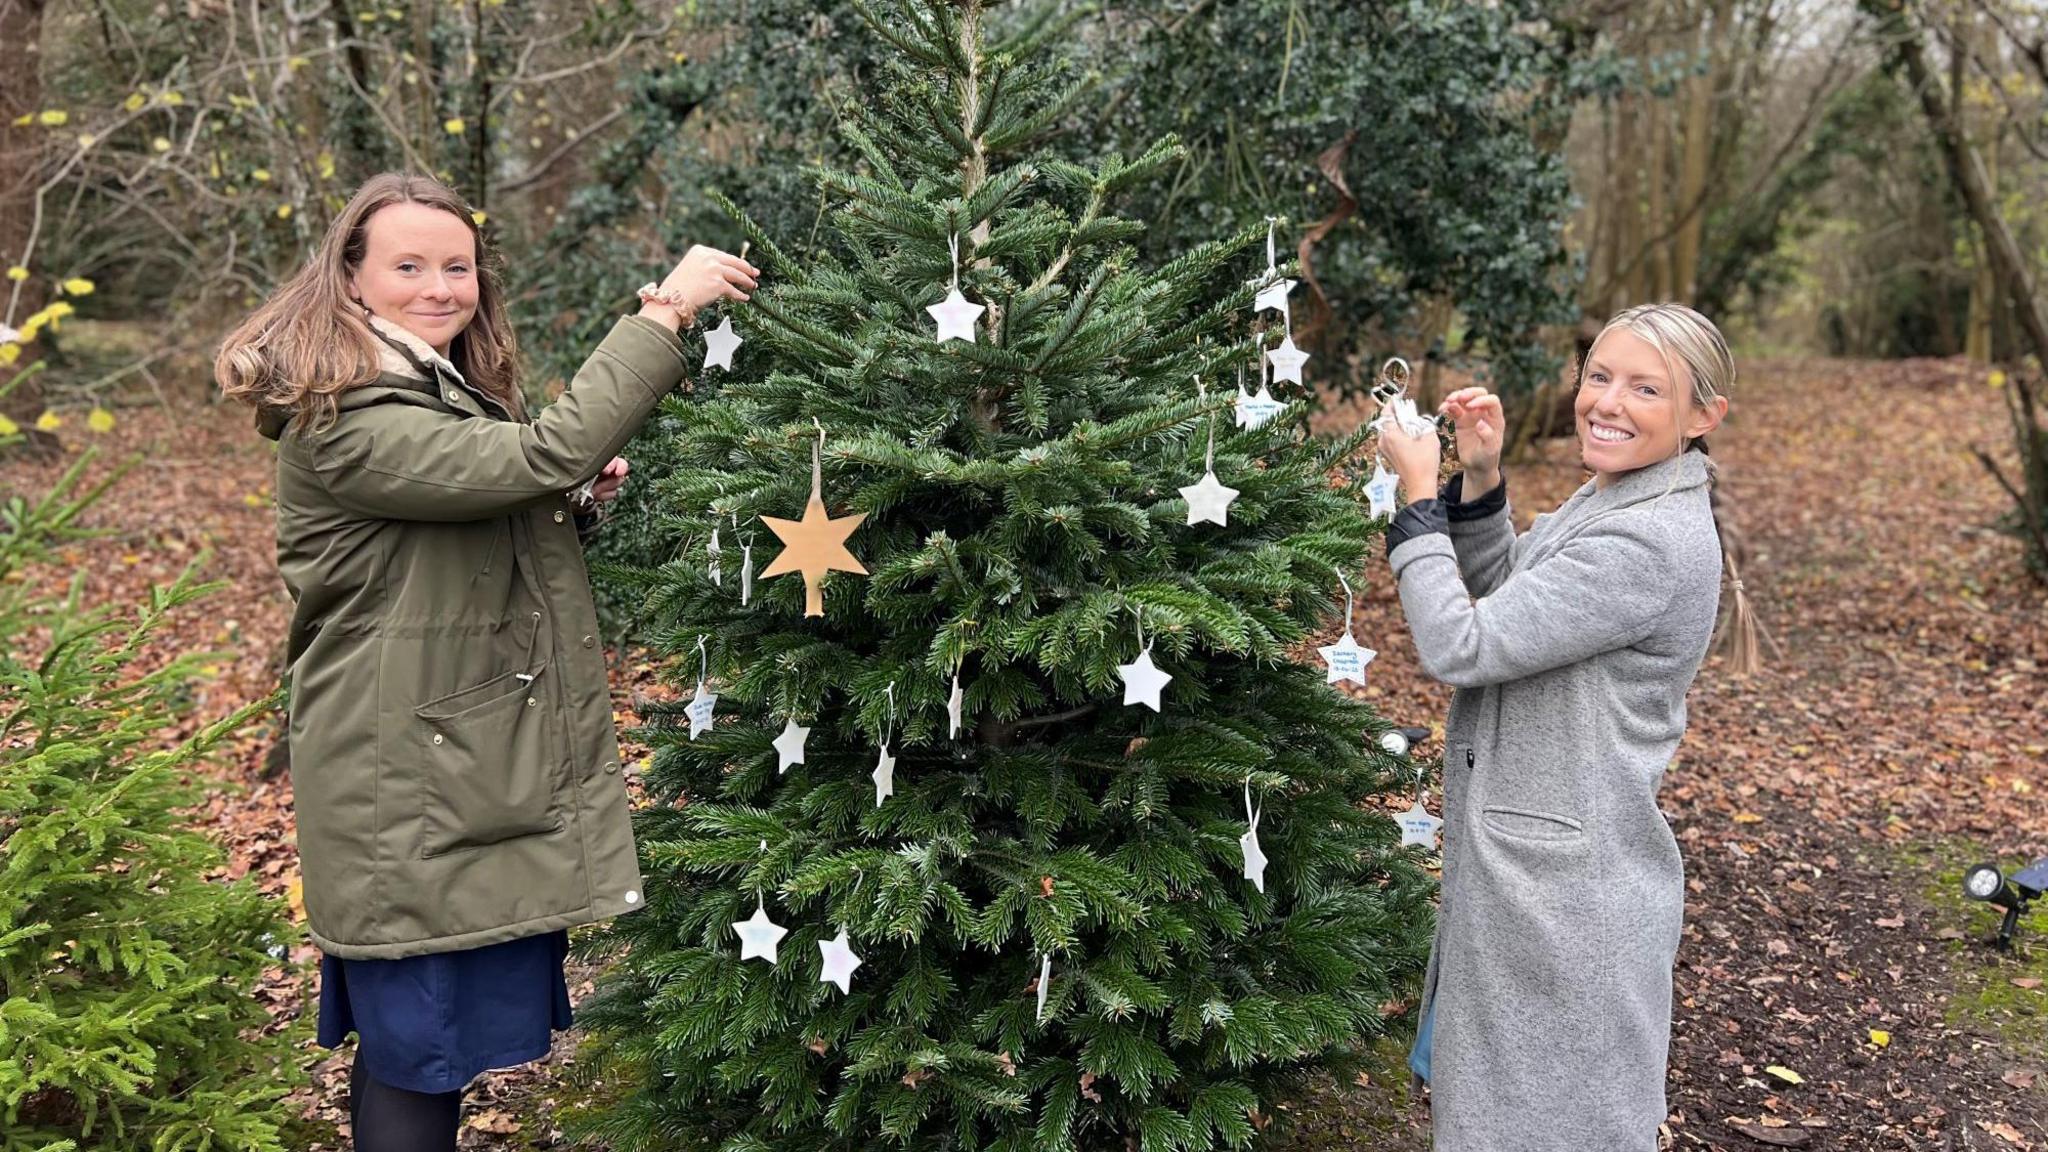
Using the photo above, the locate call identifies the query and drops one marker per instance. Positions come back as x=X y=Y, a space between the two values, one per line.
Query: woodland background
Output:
x=1857 y=192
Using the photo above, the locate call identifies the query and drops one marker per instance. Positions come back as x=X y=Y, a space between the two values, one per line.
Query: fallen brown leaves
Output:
x=1907 y=705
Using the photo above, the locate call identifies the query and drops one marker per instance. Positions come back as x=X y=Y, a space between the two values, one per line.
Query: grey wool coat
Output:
x=1571 y=648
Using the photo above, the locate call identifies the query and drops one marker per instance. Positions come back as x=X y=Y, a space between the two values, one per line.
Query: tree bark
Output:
x=1656 y=115
x=1968 y=173
x=1628 y=204
x=21 y=151
x=1984 y=284
x=1697 y=132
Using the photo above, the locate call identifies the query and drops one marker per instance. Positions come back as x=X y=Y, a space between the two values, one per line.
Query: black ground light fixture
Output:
x=1400 y=740
x=2011 y=893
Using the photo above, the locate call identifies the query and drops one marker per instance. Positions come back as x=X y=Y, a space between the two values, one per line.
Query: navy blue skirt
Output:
x=432 y=1023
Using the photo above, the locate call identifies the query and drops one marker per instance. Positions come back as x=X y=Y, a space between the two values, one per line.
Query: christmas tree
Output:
x=129 y=1015
x=1007 y=814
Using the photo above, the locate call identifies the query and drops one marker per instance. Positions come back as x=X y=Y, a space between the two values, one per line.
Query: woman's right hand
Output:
x=1481 y=427
x=702 y=276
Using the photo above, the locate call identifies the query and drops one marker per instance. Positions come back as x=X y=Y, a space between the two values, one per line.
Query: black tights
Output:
x=388 y=1119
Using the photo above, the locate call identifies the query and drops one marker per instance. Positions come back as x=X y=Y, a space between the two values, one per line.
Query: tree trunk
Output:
x=1697 y=134
x=1606 y=247
x=1968 y=174
x=1656 y=212
x=1628 y=206
x=21 y=151
x=1984 y=284
x=2007 y=264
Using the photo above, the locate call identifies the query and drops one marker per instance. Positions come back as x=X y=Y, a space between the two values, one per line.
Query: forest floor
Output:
x=1833 y=992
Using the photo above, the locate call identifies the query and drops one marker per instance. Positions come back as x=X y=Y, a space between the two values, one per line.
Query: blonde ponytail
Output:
x=1684 y=337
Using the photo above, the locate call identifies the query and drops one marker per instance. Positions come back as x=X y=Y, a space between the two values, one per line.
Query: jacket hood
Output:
x=405 y=362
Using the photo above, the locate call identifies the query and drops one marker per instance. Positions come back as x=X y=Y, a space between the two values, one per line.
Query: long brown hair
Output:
x=310 y=342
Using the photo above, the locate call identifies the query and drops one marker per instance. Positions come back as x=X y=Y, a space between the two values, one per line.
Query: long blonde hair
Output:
x=1684 y=338
x=310 y=342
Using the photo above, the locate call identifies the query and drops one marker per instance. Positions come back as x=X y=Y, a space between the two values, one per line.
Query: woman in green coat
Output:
x=455 y=769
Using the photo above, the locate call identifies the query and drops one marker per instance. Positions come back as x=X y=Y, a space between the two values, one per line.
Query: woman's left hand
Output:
x=610 y=480
x=1415 y=459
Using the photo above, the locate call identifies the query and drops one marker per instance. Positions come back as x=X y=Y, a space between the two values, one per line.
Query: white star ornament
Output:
x=1143 y=680
x=759 y=935
x=956 y=315
x=719 y=345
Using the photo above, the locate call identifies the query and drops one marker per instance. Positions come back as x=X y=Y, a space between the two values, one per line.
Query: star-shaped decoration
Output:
x=885 y=776
x=719 y=345
x=1256 y=411
x=955 y=706
x=1346 y=660
x=700 y=710
x=759 y=935
x=1208 y=500
x=1273 y=297
x=839 y=962
x=1380 y=490
x=789 y=747
x=1418 y=826
x=814 y=546
x=956 y=315
x=1287 y=360
x=1143 y=680
x=1254 y=858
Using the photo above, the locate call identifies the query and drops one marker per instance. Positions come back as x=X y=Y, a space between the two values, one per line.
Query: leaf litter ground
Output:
x=1825 y=807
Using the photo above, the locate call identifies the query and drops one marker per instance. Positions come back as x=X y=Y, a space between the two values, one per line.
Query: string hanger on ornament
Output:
x=1394 y=402
x=703 y=705
x=1143 y=680
x=816 y=544
x=1346 y=658
x=884 y=774
x=1273 y=290
x=956 y=314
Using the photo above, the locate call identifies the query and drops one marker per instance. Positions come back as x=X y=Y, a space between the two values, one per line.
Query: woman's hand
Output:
x=1481 y=427
x=702 y=276
x=610 y=480
x=1415 y=459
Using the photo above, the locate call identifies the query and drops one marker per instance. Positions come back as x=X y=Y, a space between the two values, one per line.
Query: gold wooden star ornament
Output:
x=815 y=544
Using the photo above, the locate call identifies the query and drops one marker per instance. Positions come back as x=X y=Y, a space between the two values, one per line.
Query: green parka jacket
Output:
x=454 y=764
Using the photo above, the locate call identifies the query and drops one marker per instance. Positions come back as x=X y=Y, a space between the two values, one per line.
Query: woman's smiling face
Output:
x=1630 y=412
x=419 y=272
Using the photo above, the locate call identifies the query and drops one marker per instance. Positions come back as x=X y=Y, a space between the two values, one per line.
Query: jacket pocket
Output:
x=488 y=756
x=1529 y=824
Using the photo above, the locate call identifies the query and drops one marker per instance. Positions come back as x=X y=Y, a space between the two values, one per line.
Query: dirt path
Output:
x=1824 y=807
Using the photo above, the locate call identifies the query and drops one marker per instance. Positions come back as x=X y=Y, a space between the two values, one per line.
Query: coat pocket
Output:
x=488 y=761
x=1528 y=824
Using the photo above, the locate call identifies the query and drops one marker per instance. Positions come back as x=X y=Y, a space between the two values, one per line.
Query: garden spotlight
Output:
x=1399 y=740
x=2010 y=893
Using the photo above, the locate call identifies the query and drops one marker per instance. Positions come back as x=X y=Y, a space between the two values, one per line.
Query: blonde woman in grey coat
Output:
x=1547 y=1007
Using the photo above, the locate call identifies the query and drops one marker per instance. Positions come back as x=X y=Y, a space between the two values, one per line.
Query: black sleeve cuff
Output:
x=1418 y=519
x=1490 y=504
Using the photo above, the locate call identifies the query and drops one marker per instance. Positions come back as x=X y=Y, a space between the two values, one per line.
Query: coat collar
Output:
x=401 y=358
x=396 y=361
x=1680 y=473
